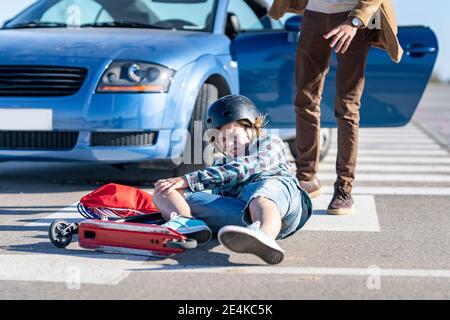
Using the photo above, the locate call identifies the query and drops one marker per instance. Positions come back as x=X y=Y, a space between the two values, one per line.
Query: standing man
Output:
x=349 y=27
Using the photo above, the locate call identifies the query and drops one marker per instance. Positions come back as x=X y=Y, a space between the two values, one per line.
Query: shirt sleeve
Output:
x=270 y=154
x=365 y=10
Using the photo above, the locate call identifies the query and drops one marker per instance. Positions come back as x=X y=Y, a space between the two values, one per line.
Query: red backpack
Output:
x=116 y=201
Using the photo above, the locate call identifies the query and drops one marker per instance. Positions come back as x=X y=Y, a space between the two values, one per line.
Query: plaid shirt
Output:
x=266 y=157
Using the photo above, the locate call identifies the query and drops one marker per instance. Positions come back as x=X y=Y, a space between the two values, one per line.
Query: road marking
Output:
x=395 y=140
x=389 y=131
x=365 y=272
x=90 y=268
x=411 y=160
x=405 y=191
x=391 y=177
x=396 y=152
x=390 y=136
x=94 y=267
x=395 y=146
x=363 y=219
x=70 y=214
x=388 y=168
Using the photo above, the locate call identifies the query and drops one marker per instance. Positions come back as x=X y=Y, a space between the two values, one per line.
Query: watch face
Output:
x=356 y=22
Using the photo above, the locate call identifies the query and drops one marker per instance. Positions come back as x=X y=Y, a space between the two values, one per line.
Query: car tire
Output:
x=326 y=135
x=207 y=95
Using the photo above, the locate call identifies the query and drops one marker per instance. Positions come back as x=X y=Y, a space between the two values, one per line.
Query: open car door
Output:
x=392 y=91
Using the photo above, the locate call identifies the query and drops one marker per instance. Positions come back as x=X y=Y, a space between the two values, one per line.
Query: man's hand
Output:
x=166 y=186
x=343 y=36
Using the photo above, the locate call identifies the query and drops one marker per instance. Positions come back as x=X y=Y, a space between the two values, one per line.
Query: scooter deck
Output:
x=128 y=238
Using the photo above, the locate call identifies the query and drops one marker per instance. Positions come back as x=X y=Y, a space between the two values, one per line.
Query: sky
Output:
x=433 y=13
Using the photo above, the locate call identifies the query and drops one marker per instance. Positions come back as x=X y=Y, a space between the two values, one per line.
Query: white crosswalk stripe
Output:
x=396 y=168
x=364 y=218
x=74 y=270
x=424 y=160
x=394 y=155
x=397 y=152
x=405 y=191
x=392 y=177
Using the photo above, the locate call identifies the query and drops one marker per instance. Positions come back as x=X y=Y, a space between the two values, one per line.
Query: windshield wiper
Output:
x=121 y=24
x=36 y=24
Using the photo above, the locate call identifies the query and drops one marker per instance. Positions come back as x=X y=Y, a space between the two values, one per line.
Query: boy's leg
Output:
x=259 y=237
x=268 y=203
x=216 y=210
x=175 y=210
x=173 y=202
x=266 y=212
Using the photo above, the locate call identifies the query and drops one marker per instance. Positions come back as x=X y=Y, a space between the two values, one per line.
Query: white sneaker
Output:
x=251 y=240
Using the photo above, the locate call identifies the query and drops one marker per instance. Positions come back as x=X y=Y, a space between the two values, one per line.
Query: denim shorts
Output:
x=218 y=211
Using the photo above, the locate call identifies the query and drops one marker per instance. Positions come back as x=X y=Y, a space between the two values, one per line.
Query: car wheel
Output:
x=325 y=136
x=207 y=95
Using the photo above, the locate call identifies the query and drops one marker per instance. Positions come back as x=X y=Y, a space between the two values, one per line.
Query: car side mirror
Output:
x=233 y=26
x=4 y=23
x=294 y=23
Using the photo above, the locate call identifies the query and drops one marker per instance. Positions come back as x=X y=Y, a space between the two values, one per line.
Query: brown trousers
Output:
x=312 y=64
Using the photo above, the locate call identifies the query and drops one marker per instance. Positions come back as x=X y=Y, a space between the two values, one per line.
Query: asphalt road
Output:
x=395 y=246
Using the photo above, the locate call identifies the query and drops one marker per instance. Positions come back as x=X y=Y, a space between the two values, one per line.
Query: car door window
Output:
x=249 y=20
x=247 y=17
x=76 y=12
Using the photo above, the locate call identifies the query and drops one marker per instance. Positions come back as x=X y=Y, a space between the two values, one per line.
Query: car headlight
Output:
x=131 y=76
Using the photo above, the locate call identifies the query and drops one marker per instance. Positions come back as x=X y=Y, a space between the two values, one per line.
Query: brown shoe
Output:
x=342 y=202
x=313 y=187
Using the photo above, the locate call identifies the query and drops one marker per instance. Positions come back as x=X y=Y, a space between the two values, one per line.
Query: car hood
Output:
x=172 y=48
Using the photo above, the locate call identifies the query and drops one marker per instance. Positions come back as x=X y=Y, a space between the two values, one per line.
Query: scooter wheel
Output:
x=182 y=244
x=54 y=233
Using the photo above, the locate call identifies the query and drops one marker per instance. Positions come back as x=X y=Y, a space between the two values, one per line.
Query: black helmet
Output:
x=231 y=108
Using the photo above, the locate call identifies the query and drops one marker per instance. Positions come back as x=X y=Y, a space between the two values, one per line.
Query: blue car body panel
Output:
x=260 y=65
x=392 y=91
x=172 y=49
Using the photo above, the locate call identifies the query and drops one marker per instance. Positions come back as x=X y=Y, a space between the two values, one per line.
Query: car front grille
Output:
x=40 y=81
x=38 y=140
x=122 y=139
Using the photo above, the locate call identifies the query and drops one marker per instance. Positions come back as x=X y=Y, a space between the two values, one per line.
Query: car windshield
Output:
x=194 y=15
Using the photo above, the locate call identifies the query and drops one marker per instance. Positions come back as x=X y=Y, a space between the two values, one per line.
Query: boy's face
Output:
x=233 y=139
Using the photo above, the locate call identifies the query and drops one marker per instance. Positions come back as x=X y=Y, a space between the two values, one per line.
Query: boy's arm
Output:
x=271 y=154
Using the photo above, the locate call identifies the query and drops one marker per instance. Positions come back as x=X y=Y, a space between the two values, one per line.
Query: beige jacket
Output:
x=364 y=10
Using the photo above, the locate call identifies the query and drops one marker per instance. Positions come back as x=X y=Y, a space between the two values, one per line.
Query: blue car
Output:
x=129 y=81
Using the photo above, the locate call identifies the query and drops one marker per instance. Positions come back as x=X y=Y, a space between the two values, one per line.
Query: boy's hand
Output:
x=166 y=186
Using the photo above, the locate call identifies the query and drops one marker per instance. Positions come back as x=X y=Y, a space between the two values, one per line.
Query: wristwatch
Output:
x=356 y=22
